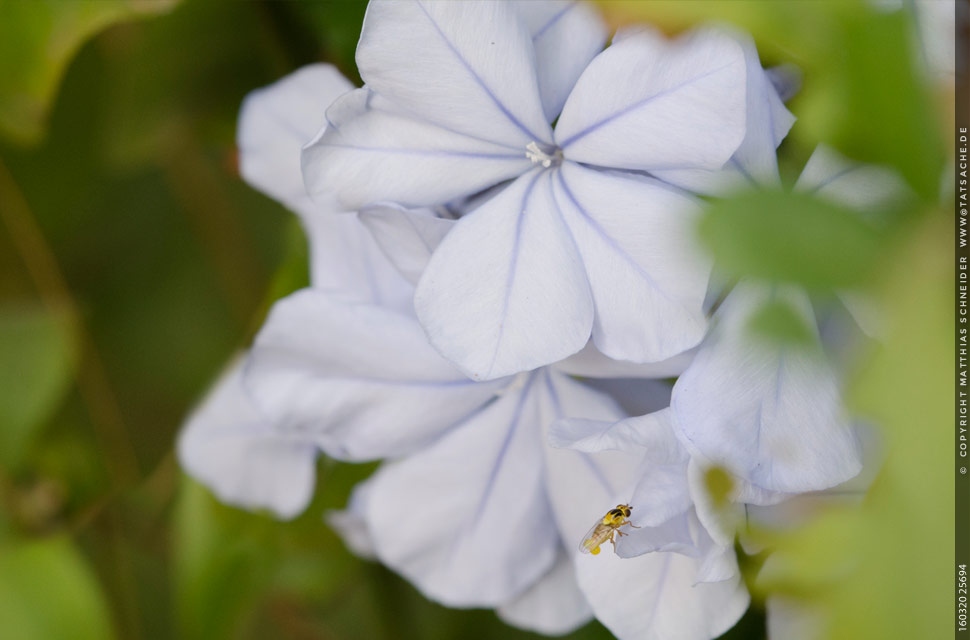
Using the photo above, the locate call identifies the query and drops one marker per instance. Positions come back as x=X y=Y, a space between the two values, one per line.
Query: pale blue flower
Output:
x=581 y=243
x=344 y=367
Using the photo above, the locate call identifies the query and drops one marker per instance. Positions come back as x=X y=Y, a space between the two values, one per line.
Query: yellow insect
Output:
x=604 y=529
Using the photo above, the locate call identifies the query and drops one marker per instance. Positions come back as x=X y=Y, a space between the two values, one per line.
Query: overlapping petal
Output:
x=408 y=237
x=274 y=124
x=231 y=447
x=721 y=518
x=771 y=415
x=591 y=363
x=566 y=35
x=832 y=176
x=465 y=66
x=466 y=519
x=672 y=535
x=719 y=562
x=651 y=432
x=767 y=123
x=359 y=380
x=583 y=486
x=506 y=290
x=345 y=260
x=686 y=108
x=372 y=152
x=659 y=488
x=637 y=396
x=351 y=523
x=647 y=277
x=662 y=492
x=529 y=256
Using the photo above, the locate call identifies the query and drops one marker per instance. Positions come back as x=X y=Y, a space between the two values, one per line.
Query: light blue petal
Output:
x=566 y=36
x=767 y=122
x=465 y=66
x=506 y=289
x=770 y=415
x=228 y=445
x=467 y=519
x=685 y=109
x=358 y=379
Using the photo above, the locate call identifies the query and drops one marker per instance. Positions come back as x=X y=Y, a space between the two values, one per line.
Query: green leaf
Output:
x=875 y=116
x=790 y=237
x=40 y=352
x=37 y=40
x=777 y=322
x=223 y=562
x=47 y=592
x=169 y=80
x=336 y=26
x=294 y=272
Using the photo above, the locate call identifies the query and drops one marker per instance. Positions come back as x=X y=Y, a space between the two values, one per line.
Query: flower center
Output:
x=539 y=156
x=516 y=385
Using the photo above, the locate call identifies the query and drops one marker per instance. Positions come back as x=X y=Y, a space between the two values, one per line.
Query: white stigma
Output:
x=538 y=156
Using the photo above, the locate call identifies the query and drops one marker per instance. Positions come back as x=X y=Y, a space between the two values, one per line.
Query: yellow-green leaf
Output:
x=48 y=592
x=791 y=237
x=38 y=354
x=37 y=40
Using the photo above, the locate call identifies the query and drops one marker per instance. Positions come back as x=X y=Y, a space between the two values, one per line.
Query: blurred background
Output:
x=135 y=263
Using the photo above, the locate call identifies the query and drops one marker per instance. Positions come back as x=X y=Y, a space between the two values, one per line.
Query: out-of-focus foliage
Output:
x=776 y=321
x=793 y=238
x=39 y=353
x=47 y=590
x=170 y=262
x=37 y=40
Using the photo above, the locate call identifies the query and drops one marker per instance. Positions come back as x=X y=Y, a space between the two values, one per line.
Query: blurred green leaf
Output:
x=872 y=114
x=884 y=570
x=222 y=563
x=777 y=322
x=47 y=592
x=790 y=237
x=39 y=353
x=336 y=26
x=167 y=81
x=37 y=40
x=294 y=273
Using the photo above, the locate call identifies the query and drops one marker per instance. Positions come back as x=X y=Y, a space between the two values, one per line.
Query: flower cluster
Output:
x=503 y=281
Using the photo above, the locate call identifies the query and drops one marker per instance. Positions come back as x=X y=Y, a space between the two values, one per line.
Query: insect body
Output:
x=605 y=528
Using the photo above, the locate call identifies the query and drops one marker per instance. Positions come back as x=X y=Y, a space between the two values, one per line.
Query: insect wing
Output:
x=589 y=539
